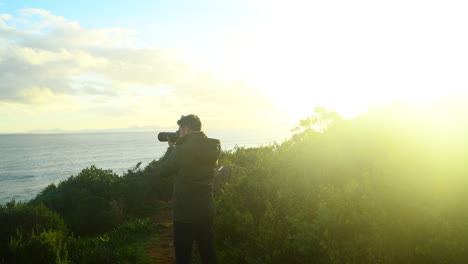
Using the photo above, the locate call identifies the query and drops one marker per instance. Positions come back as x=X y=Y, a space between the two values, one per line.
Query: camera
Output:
x=173 y=136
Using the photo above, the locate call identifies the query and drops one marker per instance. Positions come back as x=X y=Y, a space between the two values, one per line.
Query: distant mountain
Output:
x=127 y=129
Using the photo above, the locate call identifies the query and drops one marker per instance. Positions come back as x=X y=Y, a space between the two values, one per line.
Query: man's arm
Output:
x=169 y=164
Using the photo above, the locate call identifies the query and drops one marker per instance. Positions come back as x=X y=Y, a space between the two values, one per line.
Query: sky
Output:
x=238 y=64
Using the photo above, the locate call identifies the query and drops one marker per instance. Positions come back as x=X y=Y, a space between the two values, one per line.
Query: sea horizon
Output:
x=31 y=161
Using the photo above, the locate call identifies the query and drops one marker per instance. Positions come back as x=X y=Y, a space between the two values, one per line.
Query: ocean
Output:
x=30 y=162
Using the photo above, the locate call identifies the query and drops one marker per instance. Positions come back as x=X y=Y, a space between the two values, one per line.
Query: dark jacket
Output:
x=193 y=161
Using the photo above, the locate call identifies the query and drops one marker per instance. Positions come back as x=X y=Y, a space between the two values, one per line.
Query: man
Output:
x=192 y=159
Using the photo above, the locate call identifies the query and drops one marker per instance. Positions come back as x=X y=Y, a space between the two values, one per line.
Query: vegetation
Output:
x=94 y=217
x=385 y=187
x=31 y=234
x=98 y=200
x=125 y=244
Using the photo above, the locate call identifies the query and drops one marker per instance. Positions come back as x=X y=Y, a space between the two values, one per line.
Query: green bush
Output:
x=31 y=234
x=385 y=187
x=125 y=244
x=141 y=191
x=85 y=201
x=97 y=200
x=44 y=248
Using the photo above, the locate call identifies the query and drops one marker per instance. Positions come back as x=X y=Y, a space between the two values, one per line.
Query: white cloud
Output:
x=64 y=52
x=48 y=60
x=5 y=17
x=43 y=19
x=4 y=28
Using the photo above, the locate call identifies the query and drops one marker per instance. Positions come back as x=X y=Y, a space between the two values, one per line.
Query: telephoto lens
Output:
x=173 y=136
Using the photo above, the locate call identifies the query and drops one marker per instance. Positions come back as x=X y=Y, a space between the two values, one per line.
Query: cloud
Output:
x=5 y=17
x=5 y=30
x=46 y=57
x=57 y=51
x=43 y=19
x=47 y=52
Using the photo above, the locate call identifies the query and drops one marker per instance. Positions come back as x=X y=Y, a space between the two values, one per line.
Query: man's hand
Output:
x=171 y=143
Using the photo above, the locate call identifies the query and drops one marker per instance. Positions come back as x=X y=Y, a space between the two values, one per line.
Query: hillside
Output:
x=385 y=187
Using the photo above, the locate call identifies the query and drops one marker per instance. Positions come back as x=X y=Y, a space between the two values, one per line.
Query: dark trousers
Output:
x=184 y=236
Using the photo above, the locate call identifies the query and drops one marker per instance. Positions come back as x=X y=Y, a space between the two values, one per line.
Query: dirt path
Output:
x=163 y=251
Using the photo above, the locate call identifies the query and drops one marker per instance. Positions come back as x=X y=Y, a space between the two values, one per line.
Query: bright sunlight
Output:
x=348 y=56
x=312 y=131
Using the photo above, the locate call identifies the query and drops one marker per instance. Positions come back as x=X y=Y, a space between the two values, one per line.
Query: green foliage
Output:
x=31 y=234
x=322 y=120
x=85 y=201
x=385 y=187
x=97 y=200
x=102 y=209
x=141 y=191
x=46 y=247
x=34 y=234
x=125 y=244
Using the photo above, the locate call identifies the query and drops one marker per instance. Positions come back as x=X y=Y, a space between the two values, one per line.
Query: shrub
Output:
x=44 y=248
x=385 y=187
x=125 y=244
x=31 y=229
x=84 y=201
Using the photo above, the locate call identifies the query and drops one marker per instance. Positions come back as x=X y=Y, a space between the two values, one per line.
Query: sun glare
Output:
x=348 y=59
